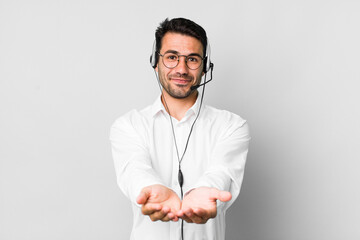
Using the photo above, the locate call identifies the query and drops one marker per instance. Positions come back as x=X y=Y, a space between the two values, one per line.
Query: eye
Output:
x=171 y=57
x=193 y=59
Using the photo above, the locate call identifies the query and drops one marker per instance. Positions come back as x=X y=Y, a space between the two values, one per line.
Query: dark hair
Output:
x=182 y=26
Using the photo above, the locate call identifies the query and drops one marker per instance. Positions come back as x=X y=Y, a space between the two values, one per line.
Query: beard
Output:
x=178 y=91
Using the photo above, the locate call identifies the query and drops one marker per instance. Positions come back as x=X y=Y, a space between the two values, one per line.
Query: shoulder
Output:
x=223 y=116
x=133 y=119
x=226 y=122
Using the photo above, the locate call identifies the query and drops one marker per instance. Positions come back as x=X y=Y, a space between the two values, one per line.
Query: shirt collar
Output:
x=159 y=107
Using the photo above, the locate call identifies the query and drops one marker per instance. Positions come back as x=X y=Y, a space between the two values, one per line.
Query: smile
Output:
x=180 y=81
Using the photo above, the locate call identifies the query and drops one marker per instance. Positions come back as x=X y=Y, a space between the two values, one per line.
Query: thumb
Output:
x=224 y=196
x=143 y=196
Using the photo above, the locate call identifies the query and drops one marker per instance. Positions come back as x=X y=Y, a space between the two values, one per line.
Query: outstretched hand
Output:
x=199 y=205
x=159 y=203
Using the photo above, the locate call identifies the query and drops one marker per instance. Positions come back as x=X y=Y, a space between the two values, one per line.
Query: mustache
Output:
x=181 y=76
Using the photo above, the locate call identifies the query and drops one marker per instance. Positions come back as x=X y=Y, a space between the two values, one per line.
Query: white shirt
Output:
x=144 y=154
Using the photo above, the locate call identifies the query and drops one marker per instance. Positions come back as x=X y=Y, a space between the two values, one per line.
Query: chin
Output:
x=180 y=95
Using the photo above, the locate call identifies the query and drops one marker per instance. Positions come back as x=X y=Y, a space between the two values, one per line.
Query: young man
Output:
x=181 y=164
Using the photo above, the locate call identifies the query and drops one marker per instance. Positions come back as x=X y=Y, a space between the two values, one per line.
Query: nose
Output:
x=182 y=68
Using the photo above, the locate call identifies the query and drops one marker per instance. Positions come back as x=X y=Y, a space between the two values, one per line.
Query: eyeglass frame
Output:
x=186 y=57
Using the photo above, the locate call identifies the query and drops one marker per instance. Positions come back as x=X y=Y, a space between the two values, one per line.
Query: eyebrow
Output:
x=176 y=52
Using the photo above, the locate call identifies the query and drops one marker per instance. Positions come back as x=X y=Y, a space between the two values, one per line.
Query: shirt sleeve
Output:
x=131 y=158
x=227 y=163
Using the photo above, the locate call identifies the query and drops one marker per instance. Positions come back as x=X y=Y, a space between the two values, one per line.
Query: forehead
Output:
x=181 y=43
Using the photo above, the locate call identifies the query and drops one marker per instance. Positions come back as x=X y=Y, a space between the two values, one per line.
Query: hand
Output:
x=199 y=205
x=159 y=203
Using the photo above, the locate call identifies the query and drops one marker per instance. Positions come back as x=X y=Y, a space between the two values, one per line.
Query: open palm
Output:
x=199 y=205
x=159 y=202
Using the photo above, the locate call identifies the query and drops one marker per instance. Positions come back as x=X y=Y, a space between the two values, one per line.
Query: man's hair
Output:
x=182 y=26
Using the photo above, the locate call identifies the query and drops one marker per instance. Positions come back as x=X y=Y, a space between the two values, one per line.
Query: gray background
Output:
x=68 y=69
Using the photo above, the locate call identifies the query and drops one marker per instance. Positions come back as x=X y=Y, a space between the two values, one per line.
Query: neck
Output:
x=177 y=108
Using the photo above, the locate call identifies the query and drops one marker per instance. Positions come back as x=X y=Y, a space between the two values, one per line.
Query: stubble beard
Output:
x=175 y=92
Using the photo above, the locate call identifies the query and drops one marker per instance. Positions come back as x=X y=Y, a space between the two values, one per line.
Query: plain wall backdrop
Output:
x=68 y=69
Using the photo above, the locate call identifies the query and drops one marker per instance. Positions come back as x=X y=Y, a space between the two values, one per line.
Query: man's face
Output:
x=177 y=81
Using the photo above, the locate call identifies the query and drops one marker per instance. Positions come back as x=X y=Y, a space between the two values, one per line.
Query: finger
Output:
x=204 y=214
x=143 y=196
x=159 y=215
x=186 y=219
x=150 y=208
x=166 y=215
x=181 y=214
x=200 y=215
x=201 y=212
x=171 y=216
x=223 y=196
x=189 y=215
x=195 y=218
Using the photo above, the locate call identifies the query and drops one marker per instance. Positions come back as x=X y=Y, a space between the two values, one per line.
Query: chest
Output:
x=168 y=146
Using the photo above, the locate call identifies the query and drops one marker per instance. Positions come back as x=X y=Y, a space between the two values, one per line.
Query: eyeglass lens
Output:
x=171 y=60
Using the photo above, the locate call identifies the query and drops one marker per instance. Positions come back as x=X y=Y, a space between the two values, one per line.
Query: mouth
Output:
x=180 y=81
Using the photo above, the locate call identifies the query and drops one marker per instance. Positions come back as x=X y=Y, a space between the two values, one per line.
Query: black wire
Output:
x=192 y=126
x=181 y=179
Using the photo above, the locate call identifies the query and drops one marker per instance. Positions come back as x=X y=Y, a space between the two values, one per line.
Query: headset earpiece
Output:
x=207 y=61
x=154 y=57
x=205 y=69
x=153 y=61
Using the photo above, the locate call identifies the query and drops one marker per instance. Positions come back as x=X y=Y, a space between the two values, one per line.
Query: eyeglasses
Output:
x=171 y=60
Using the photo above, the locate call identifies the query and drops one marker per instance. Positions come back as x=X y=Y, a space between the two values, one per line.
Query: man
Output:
x=177 y=146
